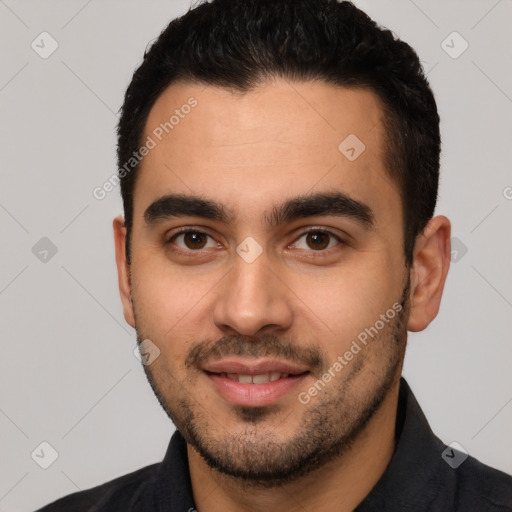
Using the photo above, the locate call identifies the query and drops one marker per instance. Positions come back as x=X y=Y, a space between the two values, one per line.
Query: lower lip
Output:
x=254 y=395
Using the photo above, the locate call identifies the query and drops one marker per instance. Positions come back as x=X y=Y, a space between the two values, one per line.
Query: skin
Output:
x=250 y=152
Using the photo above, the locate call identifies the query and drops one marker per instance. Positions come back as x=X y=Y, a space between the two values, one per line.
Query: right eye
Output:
x=192 y=240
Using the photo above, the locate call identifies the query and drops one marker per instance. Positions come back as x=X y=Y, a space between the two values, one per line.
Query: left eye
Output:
x=317 y=240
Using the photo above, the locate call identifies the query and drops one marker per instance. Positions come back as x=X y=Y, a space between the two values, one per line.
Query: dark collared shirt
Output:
x=424 y=475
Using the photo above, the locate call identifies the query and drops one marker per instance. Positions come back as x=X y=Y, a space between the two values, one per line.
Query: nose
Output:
x=252 y=299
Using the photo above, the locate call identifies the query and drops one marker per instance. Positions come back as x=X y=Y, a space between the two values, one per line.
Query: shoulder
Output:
x=480 y=487
x=119 y=494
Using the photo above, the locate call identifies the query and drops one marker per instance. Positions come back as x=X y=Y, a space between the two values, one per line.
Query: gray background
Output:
x=68 y=373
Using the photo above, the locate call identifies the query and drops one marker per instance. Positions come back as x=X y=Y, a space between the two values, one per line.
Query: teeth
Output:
x=263 y=378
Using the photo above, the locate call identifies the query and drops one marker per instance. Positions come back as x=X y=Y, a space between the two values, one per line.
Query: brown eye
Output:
x=317 y=240
x=193 y=240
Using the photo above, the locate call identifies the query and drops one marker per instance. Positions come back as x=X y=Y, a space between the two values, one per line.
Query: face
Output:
x=268 y=268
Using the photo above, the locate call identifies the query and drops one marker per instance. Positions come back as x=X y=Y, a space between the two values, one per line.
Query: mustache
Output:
x=267 y=345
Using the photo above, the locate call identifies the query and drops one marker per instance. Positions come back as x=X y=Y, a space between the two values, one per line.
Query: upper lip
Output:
x=258 y=367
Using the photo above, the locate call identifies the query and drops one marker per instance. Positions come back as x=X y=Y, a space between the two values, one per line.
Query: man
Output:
x=279 y=167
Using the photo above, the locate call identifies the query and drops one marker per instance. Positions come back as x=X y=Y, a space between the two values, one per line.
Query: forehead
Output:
x=280 y=140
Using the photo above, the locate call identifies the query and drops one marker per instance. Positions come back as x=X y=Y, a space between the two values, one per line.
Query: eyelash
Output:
x=184 y=231
x=303 y=233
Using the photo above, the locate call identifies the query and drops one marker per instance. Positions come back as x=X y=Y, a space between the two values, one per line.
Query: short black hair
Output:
x=239 y=44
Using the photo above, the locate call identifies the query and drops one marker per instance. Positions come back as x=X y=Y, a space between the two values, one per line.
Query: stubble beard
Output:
x=331 y=423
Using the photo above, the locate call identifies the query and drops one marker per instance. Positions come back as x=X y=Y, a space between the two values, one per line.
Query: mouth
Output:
x=262 y=378
x=254 y=383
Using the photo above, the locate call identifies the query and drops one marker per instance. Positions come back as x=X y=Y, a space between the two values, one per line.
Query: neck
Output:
x=339 y=485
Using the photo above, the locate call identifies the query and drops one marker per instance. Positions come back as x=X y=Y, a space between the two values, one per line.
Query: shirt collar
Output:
x=173 y=489
x=413 y=475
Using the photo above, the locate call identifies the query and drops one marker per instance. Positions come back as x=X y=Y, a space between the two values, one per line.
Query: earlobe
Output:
x=123 y=270
x=429 y=269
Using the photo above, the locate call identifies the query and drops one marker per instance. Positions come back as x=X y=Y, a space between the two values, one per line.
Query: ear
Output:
x=430 y=265
x=123 y=270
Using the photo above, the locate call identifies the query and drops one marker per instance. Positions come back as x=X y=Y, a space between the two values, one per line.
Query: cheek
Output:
x=170 y=303
x=348 y=299
x=163 y=292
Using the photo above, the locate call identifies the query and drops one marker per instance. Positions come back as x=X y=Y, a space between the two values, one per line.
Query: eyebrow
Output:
x=320 y=204
x=179 y=205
